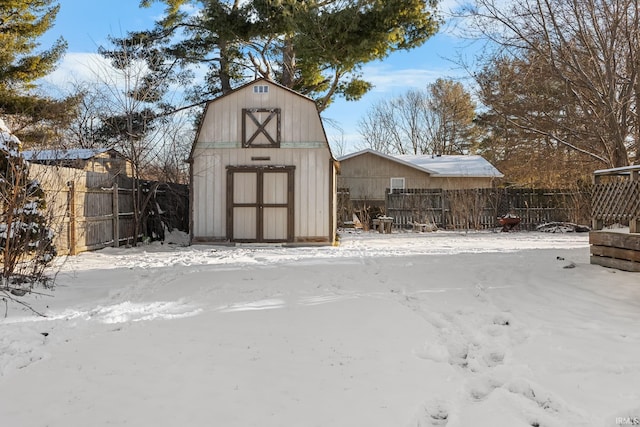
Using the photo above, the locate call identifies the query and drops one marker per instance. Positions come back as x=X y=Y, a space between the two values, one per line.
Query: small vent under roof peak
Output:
x=261 y=89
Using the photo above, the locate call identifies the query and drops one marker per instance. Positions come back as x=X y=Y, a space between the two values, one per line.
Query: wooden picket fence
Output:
x=479 y=209
x=90 y=211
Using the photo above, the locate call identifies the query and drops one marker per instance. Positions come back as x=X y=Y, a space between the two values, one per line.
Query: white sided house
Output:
x=262 y=170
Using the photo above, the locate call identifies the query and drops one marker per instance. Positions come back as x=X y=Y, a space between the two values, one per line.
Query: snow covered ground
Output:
x=433 y=329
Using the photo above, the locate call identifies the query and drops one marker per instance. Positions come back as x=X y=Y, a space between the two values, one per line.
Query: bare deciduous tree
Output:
x=589 y=52
x=129 y=108
x=520 y=107
x=381 y=130
x=439 y=120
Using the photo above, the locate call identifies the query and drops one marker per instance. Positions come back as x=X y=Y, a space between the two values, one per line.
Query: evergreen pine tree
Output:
x=23 y=62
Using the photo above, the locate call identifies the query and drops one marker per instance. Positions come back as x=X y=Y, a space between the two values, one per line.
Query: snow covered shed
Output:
x=262 y=170
x=369 y=174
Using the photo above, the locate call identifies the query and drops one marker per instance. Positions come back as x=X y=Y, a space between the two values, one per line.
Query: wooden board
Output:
x=624 y=254
x=615 y=240
x=616 y=263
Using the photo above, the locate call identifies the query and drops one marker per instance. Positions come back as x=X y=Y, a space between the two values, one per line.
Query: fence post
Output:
x=596 y=223
x=72 y=218
x=634 y=221
x=444 y=199
x=116 y=215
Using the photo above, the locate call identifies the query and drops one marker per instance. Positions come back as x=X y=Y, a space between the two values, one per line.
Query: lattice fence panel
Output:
x=616 y=200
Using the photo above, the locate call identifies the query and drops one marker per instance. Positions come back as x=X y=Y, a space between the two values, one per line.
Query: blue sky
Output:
x=87 y=24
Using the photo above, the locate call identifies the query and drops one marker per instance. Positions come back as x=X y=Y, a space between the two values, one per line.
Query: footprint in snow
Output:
x=481 y=387
x=432 y=414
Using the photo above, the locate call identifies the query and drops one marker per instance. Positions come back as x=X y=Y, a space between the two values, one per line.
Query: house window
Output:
x=261 y=89
x=396 y=184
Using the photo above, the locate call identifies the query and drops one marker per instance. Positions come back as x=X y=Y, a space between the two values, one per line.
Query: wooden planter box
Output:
x=615 y=250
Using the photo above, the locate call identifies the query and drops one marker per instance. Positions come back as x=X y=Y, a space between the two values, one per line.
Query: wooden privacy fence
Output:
x=480 y=208
x=90 y=211
x=100 y=217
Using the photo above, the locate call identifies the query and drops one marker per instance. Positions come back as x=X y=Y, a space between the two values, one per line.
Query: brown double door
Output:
x=260 y=204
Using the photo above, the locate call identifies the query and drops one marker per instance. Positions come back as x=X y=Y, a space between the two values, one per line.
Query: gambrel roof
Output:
x=298 y=119
x=447 y=166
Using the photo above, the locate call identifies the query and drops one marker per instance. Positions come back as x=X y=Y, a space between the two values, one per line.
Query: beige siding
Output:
x=368 y=177
x=245 y=186
x=275 y=188
x=244 y=227
x=300 y=121
x=206 y=183
x=303 y=145
x=275 y=223
x=312 y=192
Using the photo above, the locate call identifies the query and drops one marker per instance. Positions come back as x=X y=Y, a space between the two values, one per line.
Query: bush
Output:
x=26 y=239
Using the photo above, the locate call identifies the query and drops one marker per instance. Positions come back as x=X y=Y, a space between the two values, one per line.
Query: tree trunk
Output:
x=225 y=73
x=288 y=63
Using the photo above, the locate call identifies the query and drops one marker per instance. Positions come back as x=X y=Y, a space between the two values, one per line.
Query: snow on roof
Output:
x=625 y=170
x=454 y=165
x=70 y=154
x=44 y=155
x=442 y=166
